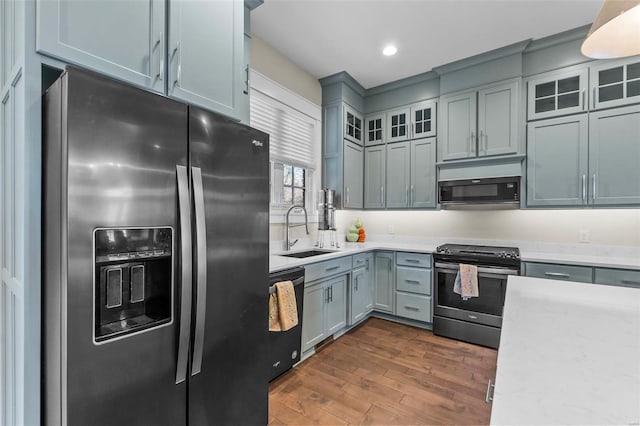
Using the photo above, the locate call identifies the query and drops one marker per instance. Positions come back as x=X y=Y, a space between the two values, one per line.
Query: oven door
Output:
x=485 y=309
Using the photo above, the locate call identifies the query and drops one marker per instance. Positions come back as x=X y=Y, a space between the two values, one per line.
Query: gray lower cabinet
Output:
x=353 y=176
x=614 y=156
x=374 y=177
x=414 y=284
x=422 y=192
x=617 y=277
x=325 y=310
x=557 y=160
x=125 y=40
x=586 y=274
x=384 y=281
x=361 y=288
x=398 y=175
x=206 y=54
x=559 y=272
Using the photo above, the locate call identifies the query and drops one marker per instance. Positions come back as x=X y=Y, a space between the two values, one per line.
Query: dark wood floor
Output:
x=386 y=373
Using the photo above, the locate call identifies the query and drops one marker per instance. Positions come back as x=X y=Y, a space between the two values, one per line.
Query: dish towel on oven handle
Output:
x=466 y=283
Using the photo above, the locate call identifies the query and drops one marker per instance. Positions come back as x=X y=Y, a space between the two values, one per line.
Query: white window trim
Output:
x=284 y=95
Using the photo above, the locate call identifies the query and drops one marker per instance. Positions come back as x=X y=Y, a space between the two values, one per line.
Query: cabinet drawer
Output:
x=413 y=280
x=413 y=306
x=327 y=268
x=559 y=272
x=620 y=277
x=360 y=260
x=421 y=260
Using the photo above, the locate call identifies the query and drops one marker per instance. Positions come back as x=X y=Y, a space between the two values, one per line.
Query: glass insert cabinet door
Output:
x=615 y=83
x=557 y=93
x=398 y=125
x=352 y=125
x=423 y=119
x=374 y=130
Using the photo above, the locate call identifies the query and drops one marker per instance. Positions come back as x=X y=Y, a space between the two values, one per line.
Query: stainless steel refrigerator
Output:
x=155 y=254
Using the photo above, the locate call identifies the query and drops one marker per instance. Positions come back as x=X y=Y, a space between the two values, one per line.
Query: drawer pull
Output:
x=412 y=260
x=472 y=317
x=557 y=274
x=490 y=390
x=332 y=268
x=411 y=308
x=412 y=282
x=631 y=282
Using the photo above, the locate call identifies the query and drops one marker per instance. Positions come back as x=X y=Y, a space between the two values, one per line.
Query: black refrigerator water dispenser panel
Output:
x=133 y=280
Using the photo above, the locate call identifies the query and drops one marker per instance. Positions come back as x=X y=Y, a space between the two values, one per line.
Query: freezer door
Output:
x=110 y=155
x=229 y=376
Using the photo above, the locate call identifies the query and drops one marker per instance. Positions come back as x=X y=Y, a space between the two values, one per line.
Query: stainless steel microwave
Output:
x=498 y=193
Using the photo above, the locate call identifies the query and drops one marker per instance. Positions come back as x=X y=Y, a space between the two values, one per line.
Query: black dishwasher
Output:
x=284 y=346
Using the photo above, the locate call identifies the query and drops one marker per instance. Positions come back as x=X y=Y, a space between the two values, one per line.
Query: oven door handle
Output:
x=447 y=267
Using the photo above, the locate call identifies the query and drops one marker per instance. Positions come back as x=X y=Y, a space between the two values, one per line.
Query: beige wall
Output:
x=605 y=227
x=274 y=65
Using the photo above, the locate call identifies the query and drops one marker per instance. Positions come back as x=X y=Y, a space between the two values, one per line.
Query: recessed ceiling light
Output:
x=390 y=50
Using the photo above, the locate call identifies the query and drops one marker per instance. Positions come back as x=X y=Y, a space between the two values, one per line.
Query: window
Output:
x=294 y=142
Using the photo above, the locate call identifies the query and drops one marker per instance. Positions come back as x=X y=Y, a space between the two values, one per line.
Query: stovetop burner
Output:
x=485 y=253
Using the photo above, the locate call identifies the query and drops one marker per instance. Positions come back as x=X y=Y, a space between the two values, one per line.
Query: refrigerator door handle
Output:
x=185 y=281
x=201 y=273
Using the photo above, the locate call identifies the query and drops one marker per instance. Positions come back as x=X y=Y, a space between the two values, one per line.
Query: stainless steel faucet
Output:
x=289 y=244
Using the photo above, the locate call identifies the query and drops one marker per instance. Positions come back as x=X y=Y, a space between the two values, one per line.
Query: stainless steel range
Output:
x=477 y=319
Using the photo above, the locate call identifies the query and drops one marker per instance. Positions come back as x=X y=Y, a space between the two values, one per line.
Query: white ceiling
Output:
x=328 y=36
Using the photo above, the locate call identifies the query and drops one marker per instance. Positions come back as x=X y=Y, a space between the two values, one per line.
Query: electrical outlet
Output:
x=584 y=236
x=391 y=229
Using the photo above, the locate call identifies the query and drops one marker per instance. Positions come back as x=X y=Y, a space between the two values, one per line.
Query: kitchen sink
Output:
x=307 y=253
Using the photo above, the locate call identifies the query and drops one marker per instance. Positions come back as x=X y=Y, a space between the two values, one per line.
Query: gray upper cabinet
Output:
x=125 y=40
x=374 y=129
x=398 y=125
x=206 y=54
x=458 y=126
x=374 y=177
x=423 y=119
x=497 y=120
x=422 y=192
x=615 y=83
x=479 y=123
x=557 y=161
x=614 y=156
x=352 y=125
x=398 y=174
x=353 y=176
x=557 y=93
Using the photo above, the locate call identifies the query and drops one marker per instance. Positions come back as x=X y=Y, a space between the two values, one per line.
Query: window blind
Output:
x=290 y=131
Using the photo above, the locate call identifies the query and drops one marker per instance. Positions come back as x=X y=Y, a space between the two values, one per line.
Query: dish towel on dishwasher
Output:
x=466 y=283
x=283 y=312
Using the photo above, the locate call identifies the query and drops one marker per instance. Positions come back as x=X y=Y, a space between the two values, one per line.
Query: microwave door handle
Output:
x=201 y=275
x=185 y=278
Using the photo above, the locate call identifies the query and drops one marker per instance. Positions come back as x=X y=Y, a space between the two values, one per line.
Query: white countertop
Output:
x=569 y=354
x=570 y=254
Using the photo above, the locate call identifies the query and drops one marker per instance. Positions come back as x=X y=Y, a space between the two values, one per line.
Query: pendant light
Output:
x=616 y=31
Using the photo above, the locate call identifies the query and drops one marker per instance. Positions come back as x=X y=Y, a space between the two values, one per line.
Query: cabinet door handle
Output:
x=331 y=294
x=584 y=99
x=584 y=187
x=347 y=195
x=490 y=389
x=382 y=196
x=413 y=195
x=473 y=142
x=406 y=195
x=356 y=283
x=594 y=97
x=246 y=81
x=594 y=191
x=326 y=298
x=178 y=52
x=412 y=308
x=160 y=46
x=557 y=274
x=480 y=140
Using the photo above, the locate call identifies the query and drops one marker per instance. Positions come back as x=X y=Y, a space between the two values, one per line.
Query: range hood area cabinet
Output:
x=480 y=123
x=585 y=160
x=161 y=46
